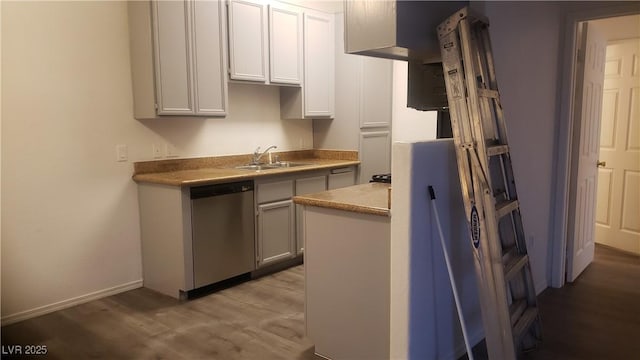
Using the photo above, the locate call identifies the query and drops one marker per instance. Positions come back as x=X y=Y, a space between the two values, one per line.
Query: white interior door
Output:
x=617 y=219
x=588 y=112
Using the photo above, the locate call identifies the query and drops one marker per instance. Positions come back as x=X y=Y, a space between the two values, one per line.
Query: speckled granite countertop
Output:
x=369 y=198
x=220 y=169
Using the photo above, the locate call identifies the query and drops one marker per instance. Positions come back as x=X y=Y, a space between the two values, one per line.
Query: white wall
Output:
x=69 y=210
x=423 y=317
x=253 y=120
x=409 y=124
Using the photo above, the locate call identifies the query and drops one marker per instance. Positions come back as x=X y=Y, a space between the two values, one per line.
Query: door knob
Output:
x=601 y=163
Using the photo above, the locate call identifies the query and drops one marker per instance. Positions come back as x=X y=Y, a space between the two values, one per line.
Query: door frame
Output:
x=564 y=156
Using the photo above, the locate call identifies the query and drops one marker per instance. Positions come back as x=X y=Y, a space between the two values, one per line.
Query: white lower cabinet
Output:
x=276 y=238
x=280 y=226
x=342 y=177
x=275 y=233
x=305 y=186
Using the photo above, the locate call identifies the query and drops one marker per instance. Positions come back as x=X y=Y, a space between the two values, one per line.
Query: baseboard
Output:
x=46 y=309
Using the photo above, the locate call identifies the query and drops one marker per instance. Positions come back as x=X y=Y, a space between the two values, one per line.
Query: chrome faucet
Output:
x=257 y=155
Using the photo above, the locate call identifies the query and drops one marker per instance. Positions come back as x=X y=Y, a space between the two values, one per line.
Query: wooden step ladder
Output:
x=507 y=294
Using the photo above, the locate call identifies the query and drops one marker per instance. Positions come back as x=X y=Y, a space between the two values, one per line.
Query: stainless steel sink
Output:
x=284 y=164
x=278 y=165
x=257 y=167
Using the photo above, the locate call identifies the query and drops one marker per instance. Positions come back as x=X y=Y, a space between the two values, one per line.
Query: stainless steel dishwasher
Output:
x=222 y=221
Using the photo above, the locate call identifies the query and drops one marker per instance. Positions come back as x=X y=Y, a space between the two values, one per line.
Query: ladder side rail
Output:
x=458 y=108
x=519 y=289
x=522 y=287
x=510 y=187
x=482 y=76
x=507 y=293
x=509 y=180
x=477 y=132
x=493 y=265
x=479 y=124
x=491 y=81
x=492 y=259
x=499 y=343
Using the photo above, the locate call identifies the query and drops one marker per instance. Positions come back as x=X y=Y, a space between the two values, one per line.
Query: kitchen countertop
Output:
x=371 y=198
x=211 y=170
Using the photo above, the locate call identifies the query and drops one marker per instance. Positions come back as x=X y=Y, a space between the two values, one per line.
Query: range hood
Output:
x=400 y=30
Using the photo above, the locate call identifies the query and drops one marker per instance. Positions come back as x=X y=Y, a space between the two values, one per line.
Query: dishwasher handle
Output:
x=199 y=192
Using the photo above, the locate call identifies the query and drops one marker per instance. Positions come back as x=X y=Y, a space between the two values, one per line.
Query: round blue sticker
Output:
x=475 y=227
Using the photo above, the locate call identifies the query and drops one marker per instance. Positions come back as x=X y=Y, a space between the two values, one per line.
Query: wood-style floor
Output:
x=596 y=317
x=259 y=319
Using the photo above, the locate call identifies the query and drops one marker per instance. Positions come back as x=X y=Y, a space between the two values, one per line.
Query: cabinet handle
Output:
x=601 y=164
x=341 y=170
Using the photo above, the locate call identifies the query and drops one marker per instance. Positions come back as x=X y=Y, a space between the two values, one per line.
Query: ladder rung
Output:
x=514 y=266
x=497 y=150
x=488 y=93
x=509 y=254
x=525 y=321
x=516 y=309
x=505 y=207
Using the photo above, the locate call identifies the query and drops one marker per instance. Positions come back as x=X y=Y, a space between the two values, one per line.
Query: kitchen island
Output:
x=347 y=271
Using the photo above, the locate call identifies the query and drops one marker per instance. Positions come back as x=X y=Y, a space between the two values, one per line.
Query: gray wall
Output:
x=528 y=43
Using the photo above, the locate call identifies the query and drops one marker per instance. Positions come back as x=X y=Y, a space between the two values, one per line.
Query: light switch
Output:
x=122 y=153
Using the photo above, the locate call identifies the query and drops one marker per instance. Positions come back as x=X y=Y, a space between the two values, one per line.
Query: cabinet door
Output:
x=276 y=240
x=340 y=178
x=248 y=52
x=174 y=93
x=376 y=88
x=306 y=186
x=209 y=57
x=285 y=44
x=319 y=64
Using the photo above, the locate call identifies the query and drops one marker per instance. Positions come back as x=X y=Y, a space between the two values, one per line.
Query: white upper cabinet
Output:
x=316 y=97
x=172 y=57
x=285 y=44
x=319 y=70
x=265 y=42
x=376 y=92
x=178 y=58
x=248 y=41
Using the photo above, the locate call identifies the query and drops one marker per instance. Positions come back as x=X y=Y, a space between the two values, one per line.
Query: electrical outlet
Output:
x=170 y=150
x=156 y=151
x=122 y=154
